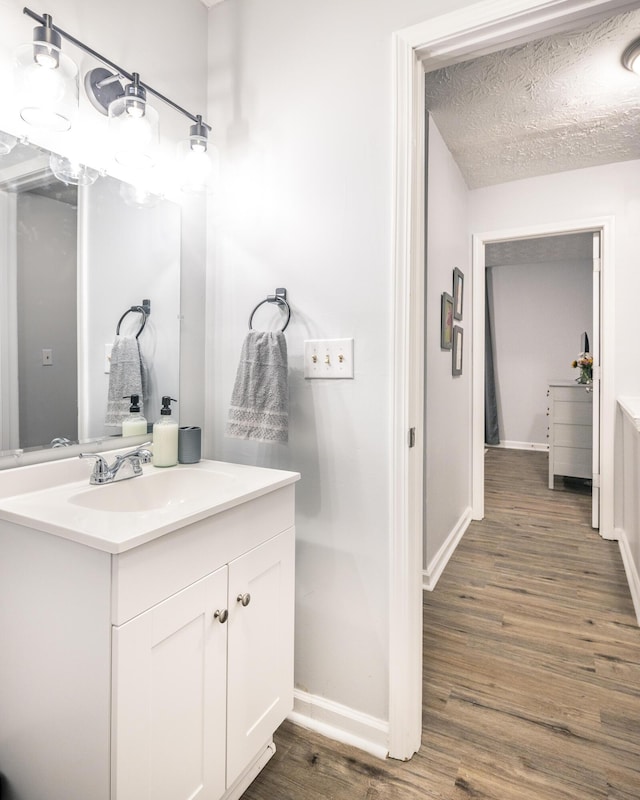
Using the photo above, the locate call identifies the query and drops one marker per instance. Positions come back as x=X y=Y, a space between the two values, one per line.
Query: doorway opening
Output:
x=482 y=27
x=542 y=315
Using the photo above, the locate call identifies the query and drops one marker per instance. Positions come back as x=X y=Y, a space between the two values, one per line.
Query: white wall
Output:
x=447 y=398
x=138 y=36
x=301 y=102
x=539 y=313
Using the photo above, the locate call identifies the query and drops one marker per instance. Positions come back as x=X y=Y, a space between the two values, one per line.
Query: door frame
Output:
x=605 y=226
x=475 y=29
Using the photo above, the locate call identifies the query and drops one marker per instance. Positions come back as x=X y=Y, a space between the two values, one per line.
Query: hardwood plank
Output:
x=531 y=666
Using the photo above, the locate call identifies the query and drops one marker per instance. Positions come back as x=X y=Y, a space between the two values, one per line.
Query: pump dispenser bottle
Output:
x=135 y=424
x=165 y=437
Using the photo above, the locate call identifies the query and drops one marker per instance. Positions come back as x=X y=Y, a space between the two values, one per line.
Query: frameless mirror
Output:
x=73 y=261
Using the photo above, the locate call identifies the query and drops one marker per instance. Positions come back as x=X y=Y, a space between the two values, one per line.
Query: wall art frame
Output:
x=446 y=321
x=458 y=293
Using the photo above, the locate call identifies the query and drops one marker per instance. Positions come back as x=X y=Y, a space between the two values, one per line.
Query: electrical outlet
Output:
x=47 y=357
x=328 y=358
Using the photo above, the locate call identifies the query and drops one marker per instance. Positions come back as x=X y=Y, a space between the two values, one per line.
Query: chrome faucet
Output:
x=105 y=473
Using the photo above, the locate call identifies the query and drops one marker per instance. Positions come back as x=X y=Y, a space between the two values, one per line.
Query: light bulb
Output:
x=46 y=55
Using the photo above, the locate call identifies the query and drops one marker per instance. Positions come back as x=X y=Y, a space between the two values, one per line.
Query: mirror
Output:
x=74 y=261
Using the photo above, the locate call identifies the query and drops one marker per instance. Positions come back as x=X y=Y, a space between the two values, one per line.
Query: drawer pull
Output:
x=221 y=616
x=245 y=599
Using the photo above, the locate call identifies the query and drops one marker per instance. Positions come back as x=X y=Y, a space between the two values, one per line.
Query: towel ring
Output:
x=140 y=310
x=280 y=297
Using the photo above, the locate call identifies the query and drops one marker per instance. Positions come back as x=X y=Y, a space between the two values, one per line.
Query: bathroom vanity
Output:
x=147 y=631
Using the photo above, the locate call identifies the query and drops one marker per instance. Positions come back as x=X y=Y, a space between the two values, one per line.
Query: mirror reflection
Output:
x=76 y=264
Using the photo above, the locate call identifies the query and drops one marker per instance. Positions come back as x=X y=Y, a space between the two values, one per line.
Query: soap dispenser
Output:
x=165 y=437
x=135 y=424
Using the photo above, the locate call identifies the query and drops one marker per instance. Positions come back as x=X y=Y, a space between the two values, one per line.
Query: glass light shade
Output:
x=72 y=172
x=7 y=143
x=47 y=86
x=196 y=165
x=133 y=126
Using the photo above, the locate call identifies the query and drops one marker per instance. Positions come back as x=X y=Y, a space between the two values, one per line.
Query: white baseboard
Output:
x=508 y=445
x=437 y=564
x=633 y=578
x=341 y=723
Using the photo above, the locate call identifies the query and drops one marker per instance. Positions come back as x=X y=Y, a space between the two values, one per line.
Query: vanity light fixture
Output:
x=195 y=160
x=631 y=57
x=133 y=124
x=122 y=96
x=46 y=79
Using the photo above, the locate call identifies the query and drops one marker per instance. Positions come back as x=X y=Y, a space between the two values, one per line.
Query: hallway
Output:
x=531 y=666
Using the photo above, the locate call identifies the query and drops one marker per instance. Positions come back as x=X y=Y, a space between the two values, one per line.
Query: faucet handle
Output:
x=100 y=469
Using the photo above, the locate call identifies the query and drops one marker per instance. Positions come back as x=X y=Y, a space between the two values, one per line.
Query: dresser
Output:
x=570 y=429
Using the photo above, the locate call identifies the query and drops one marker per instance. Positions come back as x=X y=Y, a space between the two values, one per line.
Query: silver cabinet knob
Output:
x=245 y=599
x=588 y=390
x=221 y=616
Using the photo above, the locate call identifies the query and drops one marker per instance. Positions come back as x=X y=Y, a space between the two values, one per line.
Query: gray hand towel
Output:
x=125 y=378
x=260 y=400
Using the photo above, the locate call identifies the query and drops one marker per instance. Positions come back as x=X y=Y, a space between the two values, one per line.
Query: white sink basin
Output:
x=118 y=516
x=155 y=490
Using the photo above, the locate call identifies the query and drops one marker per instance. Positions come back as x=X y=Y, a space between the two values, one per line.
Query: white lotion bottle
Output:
x=135 y=424
x=165 y=437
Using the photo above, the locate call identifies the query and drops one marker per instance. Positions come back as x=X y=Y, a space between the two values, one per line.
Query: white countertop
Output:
x=53 y=507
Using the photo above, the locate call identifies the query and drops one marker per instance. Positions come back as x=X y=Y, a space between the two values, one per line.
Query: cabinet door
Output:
x=260 y=660
x=169 y=687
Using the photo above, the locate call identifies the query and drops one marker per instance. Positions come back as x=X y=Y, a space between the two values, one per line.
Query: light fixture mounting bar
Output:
x=119 y=70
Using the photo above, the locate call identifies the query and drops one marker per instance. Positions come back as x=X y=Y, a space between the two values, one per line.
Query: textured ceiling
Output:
x=550 y=105
x=540 y=250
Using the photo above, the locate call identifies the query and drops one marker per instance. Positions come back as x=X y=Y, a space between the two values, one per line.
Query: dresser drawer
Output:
x=572 y=435
x=577 y=393
x=572 y=413
x=572 y=461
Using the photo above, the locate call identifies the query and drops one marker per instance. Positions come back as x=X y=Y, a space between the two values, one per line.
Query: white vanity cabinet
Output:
x=202 y=679
x=159 y=670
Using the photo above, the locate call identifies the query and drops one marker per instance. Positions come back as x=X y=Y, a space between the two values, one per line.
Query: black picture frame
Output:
x=458 y=293
x=456 y=360
x=446 y=321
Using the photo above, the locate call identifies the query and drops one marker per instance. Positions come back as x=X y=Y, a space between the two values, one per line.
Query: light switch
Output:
x=47 y=357
x=328 y=358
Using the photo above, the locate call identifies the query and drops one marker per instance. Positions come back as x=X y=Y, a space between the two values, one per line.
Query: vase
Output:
x=585 y=375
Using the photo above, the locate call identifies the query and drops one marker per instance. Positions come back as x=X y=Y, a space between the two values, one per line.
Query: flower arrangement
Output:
x=585 y=363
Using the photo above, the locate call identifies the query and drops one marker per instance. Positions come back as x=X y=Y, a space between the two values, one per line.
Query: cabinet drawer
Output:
x=572 y=413
x=573 y=462
x=572 y=435
x=577 y=393
x=148 y=574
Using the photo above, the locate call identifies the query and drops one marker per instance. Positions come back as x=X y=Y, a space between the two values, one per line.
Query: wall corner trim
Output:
x=633 y=578
x=340 y=723
x=436 y=566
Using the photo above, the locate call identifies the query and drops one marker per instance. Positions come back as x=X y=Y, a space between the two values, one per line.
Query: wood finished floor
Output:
x=531 y=666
